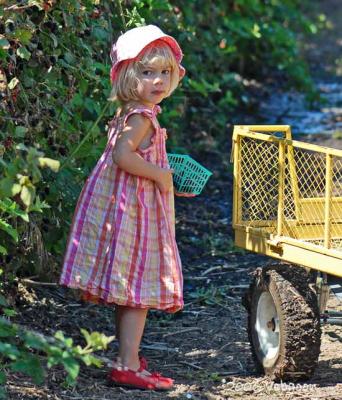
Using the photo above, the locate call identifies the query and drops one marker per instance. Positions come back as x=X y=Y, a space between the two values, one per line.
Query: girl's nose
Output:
x=158 y=79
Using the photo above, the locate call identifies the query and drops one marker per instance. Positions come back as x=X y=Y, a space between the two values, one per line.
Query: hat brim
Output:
x=171 y=42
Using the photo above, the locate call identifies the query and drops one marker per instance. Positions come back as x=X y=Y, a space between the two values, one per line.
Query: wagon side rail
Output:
x=287 y=200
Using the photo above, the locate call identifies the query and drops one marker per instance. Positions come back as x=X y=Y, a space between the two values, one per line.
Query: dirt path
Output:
x=205 y=347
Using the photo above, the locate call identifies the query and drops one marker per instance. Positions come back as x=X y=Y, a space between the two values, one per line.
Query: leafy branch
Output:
x=29 y=352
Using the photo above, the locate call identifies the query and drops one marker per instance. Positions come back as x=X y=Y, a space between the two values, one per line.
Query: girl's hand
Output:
x=164 y=180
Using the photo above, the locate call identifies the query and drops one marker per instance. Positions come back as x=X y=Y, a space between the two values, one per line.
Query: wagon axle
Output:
x=273 y=324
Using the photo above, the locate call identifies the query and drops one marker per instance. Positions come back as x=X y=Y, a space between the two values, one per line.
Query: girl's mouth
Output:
x=158 y=92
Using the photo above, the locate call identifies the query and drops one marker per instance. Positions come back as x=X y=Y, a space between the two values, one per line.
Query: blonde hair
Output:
x=125 y=86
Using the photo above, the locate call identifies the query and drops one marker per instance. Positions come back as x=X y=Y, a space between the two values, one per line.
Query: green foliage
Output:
x=226 y=44
x=209 y=296
x=53 y=85
x=20 y=173
x=337 y=135
x=21 y=350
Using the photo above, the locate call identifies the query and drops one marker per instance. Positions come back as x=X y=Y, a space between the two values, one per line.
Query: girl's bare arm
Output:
x=126 y=157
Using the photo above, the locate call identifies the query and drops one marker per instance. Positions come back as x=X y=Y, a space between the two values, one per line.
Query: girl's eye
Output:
x=166 y=71
x=147 y=72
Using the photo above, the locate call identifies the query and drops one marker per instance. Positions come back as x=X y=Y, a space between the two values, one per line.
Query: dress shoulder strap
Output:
x=148 y=112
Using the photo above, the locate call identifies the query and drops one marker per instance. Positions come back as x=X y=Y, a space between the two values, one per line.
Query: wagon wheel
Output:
x=283 y=322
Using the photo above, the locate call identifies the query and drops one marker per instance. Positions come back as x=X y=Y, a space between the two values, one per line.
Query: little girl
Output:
x=121 y=248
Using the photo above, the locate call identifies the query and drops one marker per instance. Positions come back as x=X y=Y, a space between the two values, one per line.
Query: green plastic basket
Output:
x=189 y=176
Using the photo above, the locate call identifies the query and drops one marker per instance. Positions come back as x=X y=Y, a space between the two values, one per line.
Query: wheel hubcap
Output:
x=267 y=328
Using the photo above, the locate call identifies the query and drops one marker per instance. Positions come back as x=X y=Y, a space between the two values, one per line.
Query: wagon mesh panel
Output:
x=310 y=169
x=289 y=204
x=305 y=189
x=259 y=181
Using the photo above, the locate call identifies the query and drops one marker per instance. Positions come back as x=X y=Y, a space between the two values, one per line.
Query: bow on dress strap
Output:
x=156 y=110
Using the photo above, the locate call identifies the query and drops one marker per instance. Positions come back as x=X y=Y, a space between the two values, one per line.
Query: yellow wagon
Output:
x=287 y=205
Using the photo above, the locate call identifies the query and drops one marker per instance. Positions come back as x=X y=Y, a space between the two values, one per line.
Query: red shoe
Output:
x=138 y=380
x=143 y=363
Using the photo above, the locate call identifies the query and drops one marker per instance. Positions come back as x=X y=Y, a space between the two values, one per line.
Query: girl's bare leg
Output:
x=118 y=314
x=130 y=324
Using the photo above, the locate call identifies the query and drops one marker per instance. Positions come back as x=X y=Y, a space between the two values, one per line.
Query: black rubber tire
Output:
x=295 y=300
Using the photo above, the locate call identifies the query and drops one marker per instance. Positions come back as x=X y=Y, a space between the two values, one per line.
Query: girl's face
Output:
x=154 y=83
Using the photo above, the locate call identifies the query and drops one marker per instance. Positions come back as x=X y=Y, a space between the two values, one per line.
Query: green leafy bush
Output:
x=31 y=353
x=53 y=85
x=20 y=174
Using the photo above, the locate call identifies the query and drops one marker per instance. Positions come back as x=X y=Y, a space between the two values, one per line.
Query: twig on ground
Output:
x=211 y=269
x=65 y=396
x=196 y=278
x=221 y=305
x=227 y=271
x=191 y=365
x=231 y=373
x=154 y=333
x=182 y=331
x=159 y=348
x=244 y=286
x=195 y=312
x=35 y=283
x=223 y=347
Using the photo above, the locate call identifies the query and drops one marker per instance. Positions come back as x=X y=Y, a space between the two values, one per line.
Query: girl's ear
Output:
x=181 y=72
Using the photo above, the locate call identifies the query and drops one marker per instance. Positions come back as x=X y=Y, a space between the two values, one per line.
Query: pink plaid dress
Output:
x=121 y=247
